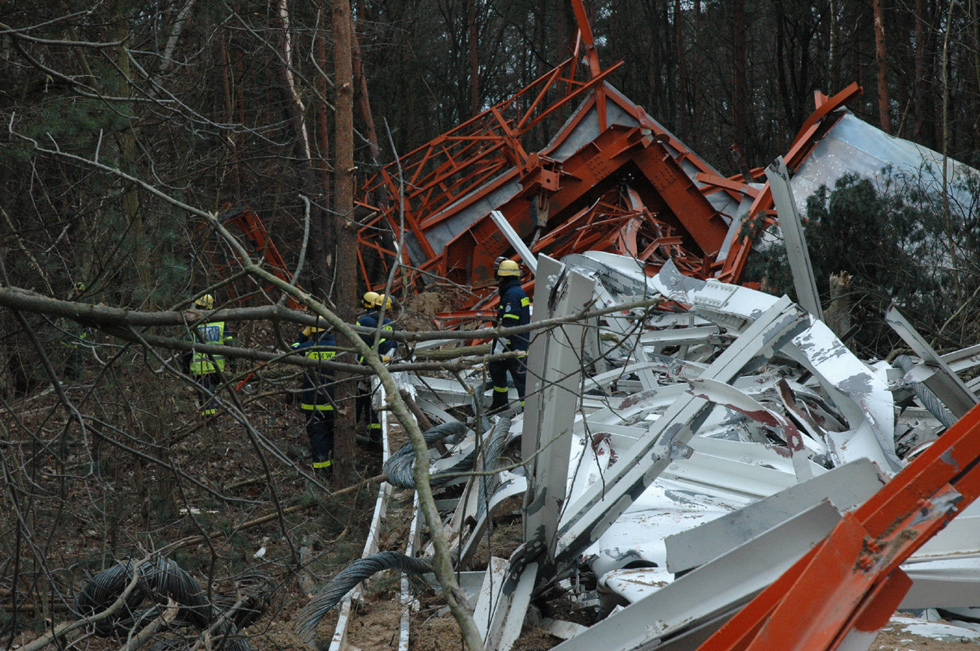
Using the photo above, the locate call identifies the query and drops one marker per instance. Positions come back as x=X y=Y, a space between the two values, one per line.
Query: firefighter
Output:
x=513 y=310
x=206 y=368
x=316 y=401
x=373 y=303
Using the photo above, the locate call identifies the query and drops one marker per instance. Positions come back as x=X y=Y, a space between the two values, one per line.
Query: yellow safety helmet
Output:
x=78 y=288
x=370 y=299
x=318 y=327
x=311 y=330
x=382 y=300
x=507 y=267
x=205 y=302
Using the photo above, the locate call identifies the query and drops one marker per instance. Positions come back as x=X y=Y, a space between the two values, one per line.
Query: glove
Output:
x=386 y=358
x=307 y=331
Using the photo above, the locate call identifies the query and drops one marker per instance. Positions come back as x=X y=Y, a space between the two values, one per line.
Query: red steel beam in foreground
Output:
x=848 y=586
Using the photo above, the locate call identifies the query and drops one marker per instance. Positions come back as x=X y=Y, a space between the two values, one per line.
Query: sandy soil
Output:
x=895 y=637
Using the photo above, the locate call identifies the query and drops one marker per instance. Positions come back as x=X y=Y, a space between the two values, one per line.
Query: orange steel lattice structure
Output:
x=611 y=178
x=261 y=244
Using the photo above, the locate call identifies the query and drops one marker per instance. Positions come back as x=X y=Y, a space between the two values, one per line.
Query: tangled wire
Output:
x=348 y=578
x=165 y=583
x=399 y=465
x=497 y=443
x=399 y=471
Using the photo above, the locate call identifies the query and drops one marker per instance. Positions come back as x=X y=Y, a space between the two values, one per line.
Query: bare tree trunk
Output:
x=227 y=84
x=321 y=226
x=974 y=17
x=739 y=82
x=882 y=58
x=346 y=278
x=696 y=101
x=363 y=104
x=127 y=151
x=474 y=58
x=681 y=70
x=920 y=86
x=832 y=76
x=948 y=218
x=238 y=81
x=322 y=125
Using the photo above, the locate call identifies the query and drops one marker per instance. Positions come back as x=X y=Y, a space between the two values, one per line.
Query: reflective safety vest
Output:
x=317 y=382
x=211 y=333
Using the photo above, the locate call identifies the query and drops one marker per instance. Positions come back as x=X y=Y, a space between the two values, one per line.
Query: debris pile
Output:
x=687 y=453
x=687 y=445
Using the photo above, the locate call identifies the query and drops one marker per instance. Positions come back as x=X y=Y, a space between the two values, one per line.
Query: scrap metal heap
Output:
x=610 y=179
x=713 y=457
x=686 y=459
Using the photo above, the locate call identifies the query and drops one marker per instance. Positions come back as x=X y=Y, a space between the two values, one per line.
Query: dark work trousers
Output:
x=363 y=407
x=206 y=385
x=499 y=368
x=319 y=427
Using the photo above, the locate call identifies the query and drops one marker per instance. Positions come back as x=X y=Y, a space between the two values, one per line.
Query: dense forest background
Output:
x=121 y=116
x=232 y=102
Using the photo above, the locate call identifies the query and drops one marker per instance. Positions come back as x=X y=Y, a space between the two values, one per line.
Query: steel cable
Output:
x=348 y=579
x=399 y=465
x=165 y=579
x=101 y=591
x=488 y=483
x=161 y=580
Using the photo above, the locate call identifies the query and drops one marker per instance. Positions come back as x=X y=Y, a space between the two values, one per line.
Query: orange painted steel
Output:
x=251 y=226
x=610 y=178
x=851 y=583
x=453 y=182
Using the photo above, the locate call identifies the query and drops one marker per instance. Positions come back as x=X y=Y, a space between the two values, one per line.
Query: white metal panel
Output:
x=710 y=589
x=792 y=229
x=554 y=387
x=846 y=487
x=595 y=511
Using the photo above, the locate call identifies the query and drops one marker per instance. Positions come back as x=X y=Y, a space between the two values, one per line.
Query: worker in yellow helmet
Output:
x=513 y=310
x=369 y=299
x=385 y=347
x=316 y=402
x=206 y=368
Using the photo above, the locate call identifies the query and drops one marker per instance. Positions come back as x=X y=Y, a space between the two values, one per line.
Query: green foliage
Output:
x=895 y=243
x=73 y=123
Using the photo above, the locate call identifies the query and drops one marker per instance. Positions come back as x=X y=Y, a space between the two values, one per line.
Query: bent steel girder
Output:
x=452 y=183
x=826 y=115
x=851 y=584
x=611 y=178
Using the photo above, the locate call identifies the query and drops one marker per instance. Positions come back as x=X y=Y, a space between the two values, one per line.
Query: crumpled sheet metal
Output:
x=861 y=395
x=845 y=413
x=853 y=146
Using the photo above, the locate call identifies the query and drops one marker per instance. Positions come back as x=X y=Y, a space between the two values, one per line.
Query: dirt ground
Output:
x=894 y=637
x=332 y=530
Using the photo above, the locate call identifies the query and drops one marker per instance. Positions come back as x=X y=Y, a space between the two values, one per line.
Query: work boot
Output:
x=322 y=473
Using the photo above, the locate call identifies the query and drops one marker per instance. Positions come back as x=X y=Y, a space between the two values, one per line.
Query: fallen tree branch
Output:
x=103 y=316
x=150 y=630
x=194 y=540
